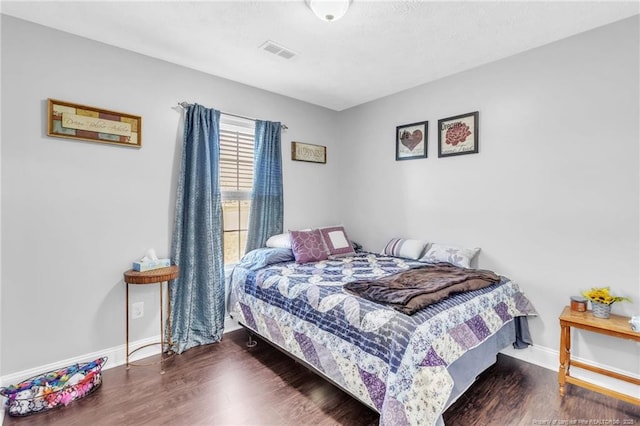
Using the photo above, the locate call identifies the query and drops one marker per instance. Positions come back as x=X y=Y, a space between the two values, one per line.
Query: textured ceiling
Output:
x=378 y=48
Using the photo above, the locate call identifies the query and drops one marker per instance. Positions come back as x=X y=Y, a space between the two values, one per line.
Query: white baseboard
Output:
x=550 y=359
x=231 y=325
x=538 y=355
x=117 y=356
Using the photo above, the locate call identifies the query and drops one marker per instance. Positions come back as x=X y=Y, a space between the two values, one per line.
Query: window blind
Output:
x=236 y=161
x=236 y=180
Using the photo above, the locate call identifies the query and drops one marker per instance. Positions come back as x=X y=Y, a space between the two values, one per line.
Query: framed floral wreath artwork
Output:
x=411 y=141
x=458 y=135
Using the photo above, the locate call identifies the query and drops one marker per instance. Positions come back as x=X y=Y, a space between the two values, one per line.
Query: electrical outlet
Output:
x=137 y=310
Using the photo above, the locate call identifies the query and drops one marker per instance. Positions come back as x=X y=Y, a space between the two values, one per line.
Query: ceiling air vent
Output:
x=277 y=49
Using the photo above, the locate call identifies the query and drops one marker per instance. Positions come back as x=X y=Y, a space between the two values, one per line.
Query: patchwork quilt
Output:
x=395 y=363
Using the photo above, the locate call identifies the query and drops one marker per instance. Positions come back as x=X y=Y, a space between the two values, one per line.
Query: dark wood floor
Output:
x=228 y=384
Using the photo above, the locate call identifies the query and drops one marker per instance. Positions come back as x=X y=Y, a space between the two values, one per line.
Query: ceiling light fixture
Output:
x=329 y=10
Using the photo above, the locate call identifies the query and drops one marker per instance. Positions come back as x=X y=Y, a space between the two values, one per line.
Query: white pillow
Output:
x=403 y=247
x=454 y=255
x=279 y=241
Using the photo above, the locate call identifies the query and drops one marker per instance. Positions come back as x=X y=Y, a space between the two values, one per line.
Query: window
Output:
x=236 y=180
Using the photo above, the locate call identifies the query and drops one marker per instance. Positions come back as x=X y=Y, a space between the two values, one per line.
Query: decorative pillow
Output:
x=336 y=240
x=402 y=247
x=308 y=246
x=279 y=241
x=454 y=255
x=262 y=257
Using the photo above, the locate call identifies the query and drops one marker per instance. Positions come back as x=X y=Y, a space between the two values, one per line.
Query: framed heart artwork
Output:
x=411 y=141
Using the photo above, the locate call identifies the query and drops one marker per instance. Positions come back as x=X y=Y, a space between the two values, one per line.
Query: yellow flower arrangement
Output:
x=602 y=295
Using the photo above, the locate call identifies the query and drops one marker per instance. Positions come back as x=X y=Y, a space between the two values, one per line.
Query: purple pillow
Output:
x=336 y=240
x=308 y=246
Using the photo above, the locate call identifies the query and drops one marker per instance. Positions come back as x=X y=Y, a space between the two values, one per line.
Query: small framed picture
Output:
x=458 y=135
x=308 y=152
x=411 y=141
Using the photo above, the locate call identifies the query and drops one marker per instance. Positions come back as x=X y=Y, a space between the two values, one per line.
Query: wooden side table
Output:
x=156 y=276
x=616 y=326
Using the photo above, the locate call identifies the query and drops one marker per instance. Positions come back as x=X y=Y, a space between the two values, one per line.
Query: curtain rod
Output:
x=186 y=104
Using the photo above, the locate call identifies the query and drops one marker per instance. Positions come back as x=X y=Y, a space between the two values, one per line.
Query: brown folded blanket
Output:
x=412 y=290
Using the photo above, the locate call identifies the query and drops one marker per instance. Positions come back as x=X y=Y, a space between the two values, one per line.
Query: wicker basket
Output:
x=53 y=389
x=601 y=310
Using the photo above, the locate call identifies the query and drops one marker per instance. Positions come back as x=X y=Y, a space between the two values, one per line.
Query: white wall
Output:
x=551 y=198
x=76 y=214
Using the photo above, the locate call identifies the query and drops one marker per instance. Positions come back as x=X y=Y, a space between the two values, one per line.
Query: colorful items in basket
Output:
x=52 y=389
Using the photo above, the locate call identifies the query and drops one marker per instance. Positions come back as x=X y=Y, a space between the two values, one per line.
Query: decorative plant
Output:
x=602 y=295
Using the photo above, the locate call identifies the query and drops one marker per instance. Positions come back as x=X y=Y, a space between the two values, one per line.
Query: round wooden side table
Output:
x=156 y=276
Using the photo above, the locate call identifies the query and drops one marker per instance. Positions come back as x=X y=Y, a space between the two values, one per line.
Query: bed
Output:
x=409 y=368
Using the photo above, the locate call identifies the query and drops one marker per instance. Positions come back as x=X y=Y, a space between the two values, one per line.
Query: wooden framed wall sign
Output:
x=308 y=152
x=73 y=121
